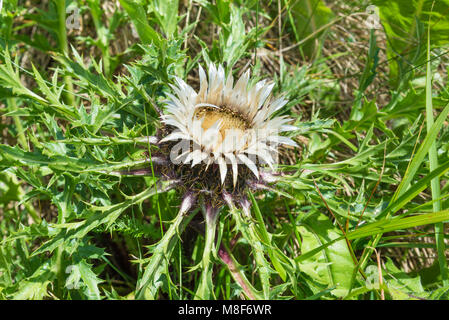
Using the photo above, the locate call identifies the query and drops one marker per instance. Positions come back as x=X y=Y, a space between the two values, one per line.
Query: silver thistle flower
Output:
x=229 y=124
x=220 y=138
x=215 y=144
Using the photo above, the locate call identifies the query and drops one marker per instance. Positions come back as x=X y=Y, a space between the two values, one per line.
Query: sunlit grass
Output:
x=364 y=195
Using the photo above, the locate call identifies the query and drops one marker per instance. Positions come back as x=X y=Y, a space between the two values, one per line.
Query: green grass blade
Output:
x=433 y=163
x=380 y=227
x=421 y=153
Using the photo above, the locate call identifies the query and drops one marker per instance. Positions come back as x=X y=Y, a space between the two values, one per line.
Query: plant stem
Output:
x=433 y=163
x=248 y=231
x=205 y=288
x=237 y=274
x=162 y=251
x=64 y=47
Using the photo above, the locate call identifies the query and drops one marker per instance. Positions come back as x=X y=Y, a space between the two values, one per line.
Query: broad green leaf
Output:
x=310 y=16
x=138 y=16
x=331 y=266
x=400 y=285
x=90 y=279
x=166 y=12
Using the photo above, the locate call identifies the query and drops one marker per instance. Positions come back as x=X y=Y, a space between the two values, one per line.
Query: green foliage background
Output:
x=369 y=180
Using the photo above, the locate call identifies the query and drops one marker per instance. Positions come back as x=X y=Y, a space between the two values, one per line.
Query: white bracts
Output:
x=228 y=124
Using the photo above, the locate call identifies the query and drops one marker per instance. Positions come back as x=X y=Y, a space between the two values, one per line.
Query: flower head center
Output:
x=230 y=120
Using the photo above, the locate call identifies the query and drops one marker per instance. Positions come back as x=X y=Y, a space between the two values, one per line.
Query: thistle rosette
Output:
x=215 y=144
x=224 y=133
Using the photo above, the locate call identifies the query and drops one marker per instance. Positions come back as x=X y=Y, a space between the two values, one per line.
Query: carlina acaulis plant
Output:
x=216 y=144
x=120 y=181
